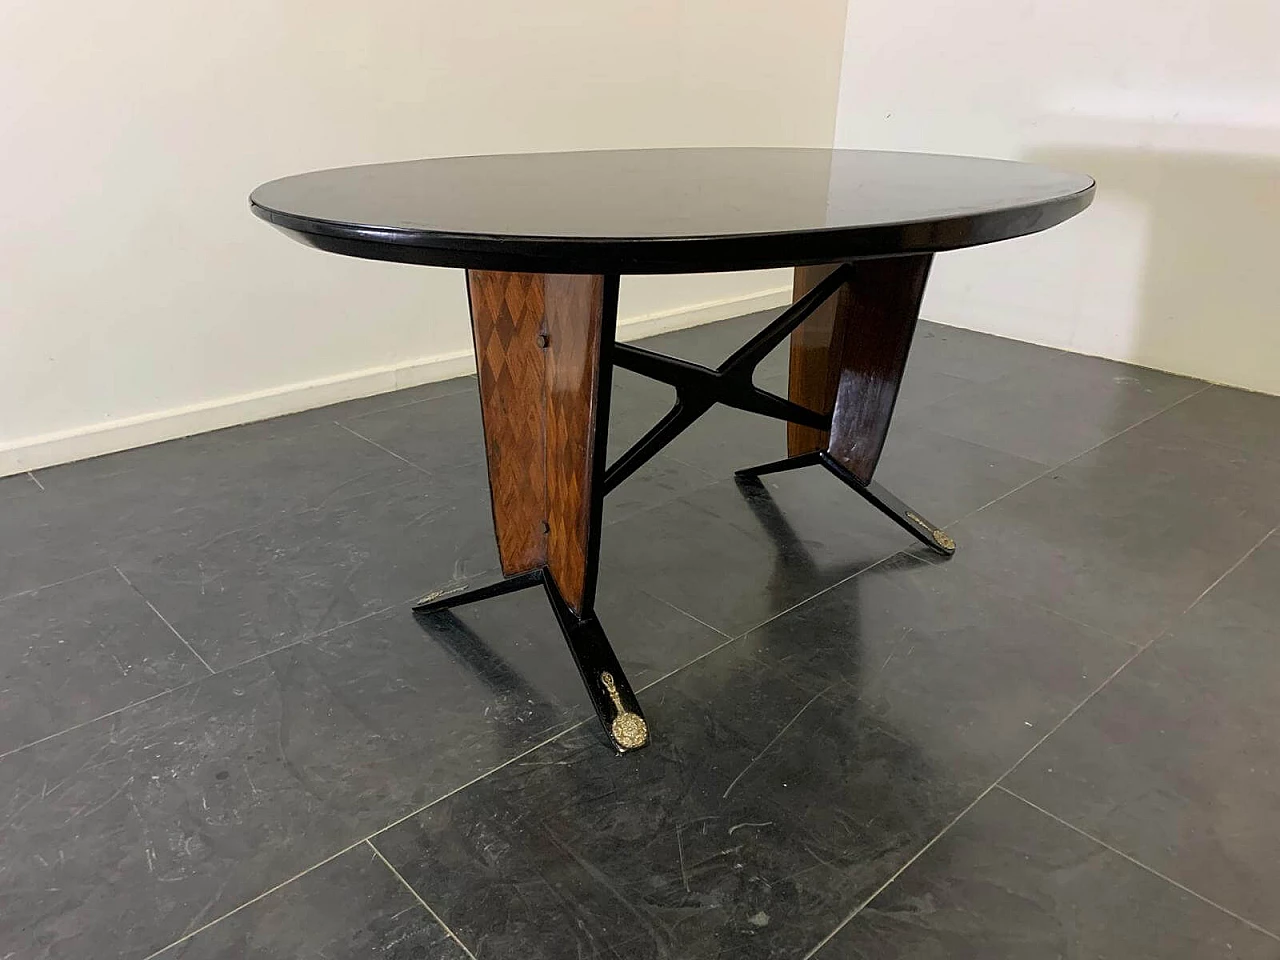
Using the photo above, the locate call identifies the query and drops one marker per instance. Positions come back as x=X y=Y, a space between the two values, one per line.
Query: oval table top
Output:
x=683 y=210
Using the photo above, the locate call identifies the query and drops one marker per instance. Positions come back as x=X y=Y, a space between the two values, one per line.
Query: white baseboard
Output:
x=79 y=443
x=664 y=321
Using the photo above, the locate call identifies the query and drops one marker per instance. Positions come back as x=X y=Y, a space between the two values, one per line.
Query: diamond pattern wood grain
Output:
x=538 y=343
x=506 y=319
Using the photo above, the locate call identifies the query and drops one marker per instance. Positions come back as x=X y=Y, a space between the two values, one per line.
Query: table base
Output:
x=607 y=686
x=545 y=353
x=904 y=516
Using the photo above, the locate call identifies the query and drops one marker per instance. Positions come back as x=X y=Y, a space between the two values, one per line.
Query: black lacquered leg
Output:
x=699 y=388
x=931 y=536
x=779 y=466
x=437 y=601
x=900 y=513
x=611 y=695
x=679 y=418
x=607 y=686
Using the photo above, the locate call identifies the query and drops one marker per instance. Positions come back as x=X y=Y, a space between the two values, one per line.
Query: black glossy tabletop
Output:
x=668 y=210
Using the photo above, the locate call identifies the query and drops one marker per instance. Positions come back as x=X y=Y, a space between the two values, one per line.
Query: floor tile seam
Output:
x=993 y=785
x=506 y=763
x=1136 y=862
x=250 y=902
x=338 y=626
x=1213 y=442
x=145 y=700
x=911 y=408
x=1082 y=453
x=1023 y=369
x=57 y=583
x=914 y=432
x=649 y=508
x=1078 y=707
x=190 y=683
x=105 y=716
x=561 y=733
x=194 y=437
x=165 y=620
x=311 y=638
x=917 y=417
x=556 y=736
x=461 y=388
x=686 y=613
x=897 y=873
x=1155 y=640
x=1133 y=645
x=1232 y=569
x=1000 y=589
x=386 y=450
x=839 y=583
x=327 y=502
x=569 y=728
x=278 y=517
x=711 y=478
x=307 y=638
x=1120 y=639
x=688 y=663
x=573 y=726
x=368 y=838
x=421 y=900
x=288 y=646
x=118 y=557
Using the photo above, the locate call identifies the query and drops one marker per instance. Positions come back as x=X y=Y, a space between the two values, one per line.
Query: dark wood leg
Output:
x=444 y=600
x=817 y=347
x=544 y=359
x=847 y=360
x=878 y=320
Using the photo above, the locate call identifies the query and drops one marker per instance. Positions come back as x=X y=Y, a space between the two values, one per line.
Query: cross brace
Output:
x=699 y=388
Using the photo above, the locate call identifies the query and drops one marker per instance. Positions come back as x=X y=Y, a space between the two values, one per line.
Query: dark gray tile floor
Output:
x=222 y=734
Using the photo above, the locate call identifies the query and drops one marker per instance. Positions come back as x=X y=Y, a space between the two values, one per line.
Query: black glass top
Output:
x=669 y=210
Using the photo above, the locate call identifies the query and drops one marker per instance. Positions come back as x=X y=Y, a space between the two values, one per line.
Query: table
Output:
x=544 y=239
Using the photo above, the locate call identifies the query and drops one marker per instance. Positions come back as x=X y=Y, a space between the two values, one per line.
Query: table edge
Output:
x=690 y=254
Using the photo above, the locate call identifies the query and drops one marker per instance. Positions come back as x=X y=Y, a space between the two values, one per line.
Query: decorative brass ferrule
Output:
x=628 y=729
x=940 y=537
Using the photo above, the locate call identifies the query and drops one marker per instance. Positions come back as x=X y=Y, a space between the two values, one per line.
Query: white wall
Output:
x=1172 y=105
x=139 y=299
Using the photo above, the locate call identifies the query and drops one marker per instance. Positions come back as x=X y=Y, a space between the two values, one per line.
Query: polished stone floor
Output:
x=222 y=734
